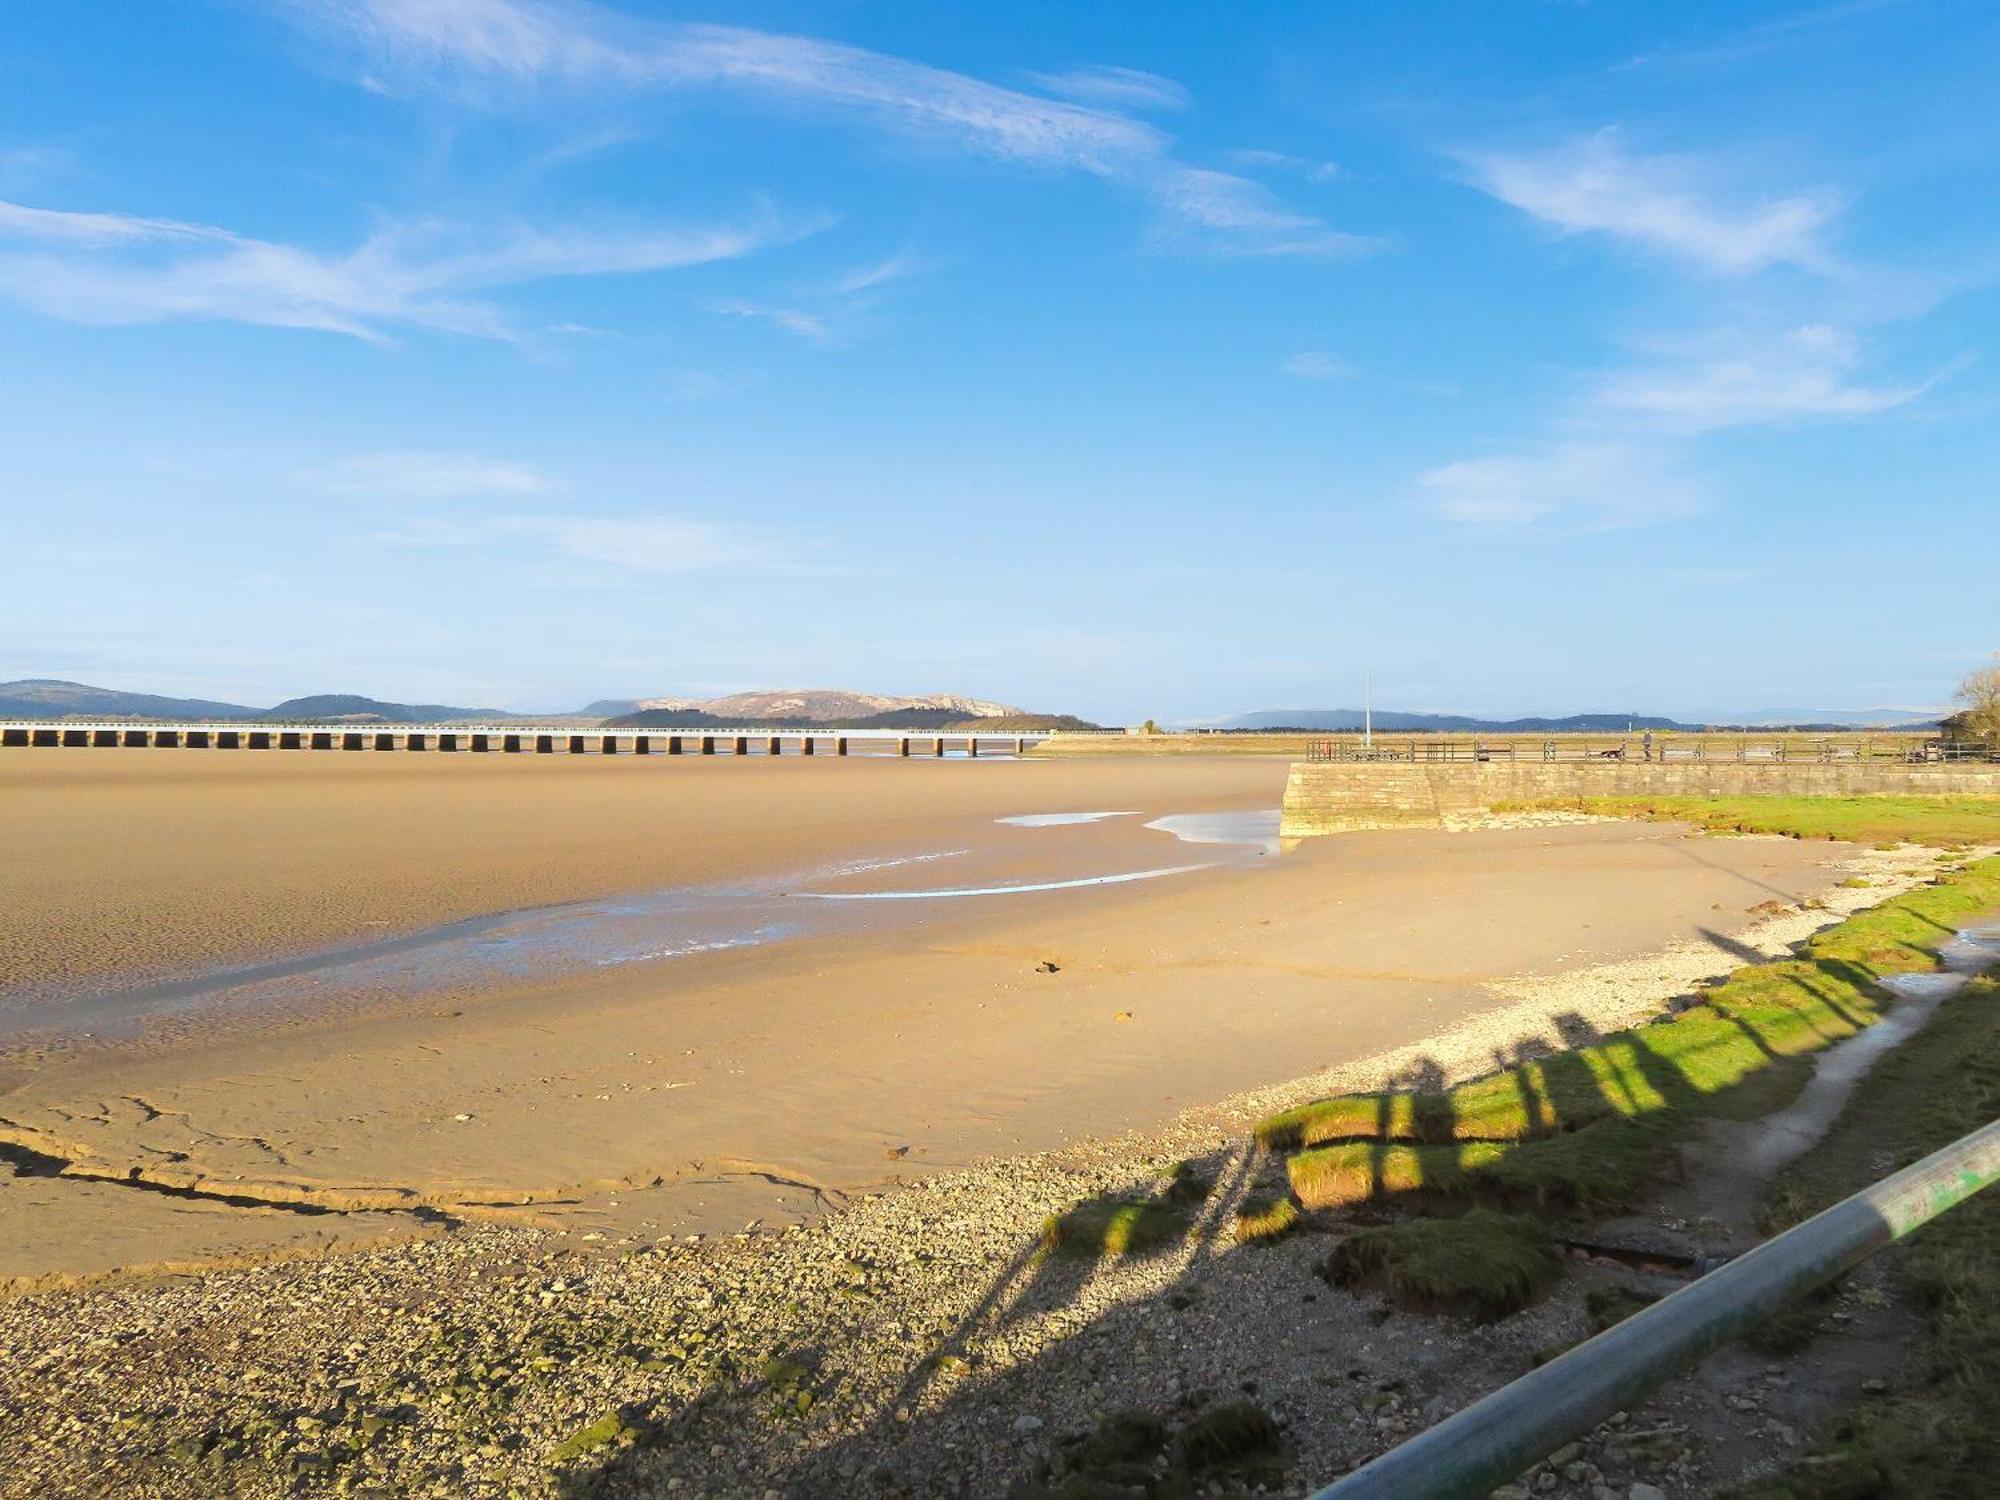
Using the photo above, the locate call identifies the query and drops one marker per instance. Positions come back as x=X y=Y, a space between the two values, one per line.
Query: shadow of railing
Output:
x=1038 y=1280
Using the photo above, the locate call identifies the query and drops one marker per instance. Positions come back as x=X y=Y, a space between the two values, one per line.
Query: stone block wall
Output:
x=1342 y=796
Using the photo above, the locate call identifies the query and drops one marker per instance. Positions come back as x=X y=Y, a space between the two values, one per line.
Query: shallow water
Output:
x=1770 y=1143
x=1256 y=829
x=1059 y=820
x=549 y=942
x=1123 y=878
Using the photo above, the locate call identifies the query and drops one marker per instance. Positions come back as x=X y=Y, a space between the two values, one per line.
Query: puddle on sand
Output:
x=1760 y=1147
x=1059 y=820
x=1256 y=829
x=544 y=943
x=1124 y=878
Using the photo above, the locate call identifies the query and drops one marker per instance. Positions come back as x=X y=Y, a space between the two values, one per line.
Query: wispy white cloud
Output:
x=1803 y=374
x=520 y=45
x=651 y=545
x=1119 y=88
x=1582 y=485
x=806 y=325
x=1619 y=456
x=834 y=312
x=1285 y=161
x=1312 y=365
x=117 y=269
x=1229 y=215
x=93 y=231
x=1756 y=40
x=897 y=267
x=429 y=476
x=1661 y=203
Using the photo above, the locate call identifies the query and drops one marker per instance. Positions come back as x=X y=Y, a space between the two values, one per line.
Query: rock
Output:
x=1026 y=1423
x=1645 y=1492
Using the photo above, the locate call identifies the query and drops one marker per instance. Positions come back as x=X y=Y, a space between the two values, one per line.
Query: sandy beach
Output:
x=722 y=1085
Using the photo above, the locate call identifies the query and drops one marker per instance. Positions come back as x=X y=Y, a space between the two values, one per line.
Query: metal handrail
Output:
x=1493 y=1440
x=1900 y=748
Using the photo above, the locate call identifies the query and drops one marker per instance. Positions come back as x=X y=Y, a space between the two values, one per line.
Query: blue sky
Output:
x=1171 y=361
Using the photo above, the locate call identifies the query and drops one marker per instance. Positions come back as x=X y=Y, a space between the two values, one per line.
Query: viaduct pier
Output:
x=527 y=739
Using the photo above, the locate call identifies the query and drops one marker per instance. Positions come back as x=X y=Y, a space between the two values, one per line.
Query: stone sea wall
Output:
x=1343 y=796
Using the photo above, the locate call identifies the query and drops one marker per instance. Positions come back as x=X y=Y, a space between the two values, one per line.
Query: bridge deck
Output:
x=510 y=739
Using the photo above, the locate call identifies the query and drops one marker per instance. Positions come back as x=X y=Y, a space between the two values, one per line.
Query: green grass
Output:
x=1114 y=1226
x=1859 y=820
x=605 y=1431
x=1264 y=1217
x=1935 y=1437
x=1485 y=1263
x=1584 y=1128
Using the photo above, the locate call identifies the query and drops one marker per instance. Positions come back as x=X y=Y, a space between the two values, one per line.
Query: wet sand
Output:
x=705 y=1091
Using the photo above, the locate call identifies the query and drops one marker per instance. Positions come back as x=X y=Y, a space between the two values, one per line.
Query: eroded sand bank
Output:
x=700 y=1092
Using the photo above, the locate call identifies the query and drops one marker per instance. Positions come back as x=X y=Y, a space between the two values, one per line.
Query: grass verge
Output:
x=1584 y=1128
x=1935 y=1437
x=1482 y=1262
x=1264 y=1217
x=1861 y=820
x=1115 y=1226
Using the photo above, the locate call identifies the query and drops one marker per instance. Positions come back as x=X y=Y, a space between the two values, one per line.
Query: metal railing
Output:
x=1755 y=749
x=1496 y=1438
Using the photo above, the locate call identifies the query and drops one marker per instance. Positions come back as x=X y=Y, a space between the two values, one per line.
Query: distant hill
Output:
x=48 y=698
x=51 y=698
x=353 y=707
x=913 y=720
x=1850 y=718
x=1390 y=720
x=804 y=706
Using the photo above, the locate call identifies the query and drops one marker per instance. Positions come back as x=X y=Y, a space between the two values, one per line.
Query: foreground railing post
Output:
x=1490 y=1442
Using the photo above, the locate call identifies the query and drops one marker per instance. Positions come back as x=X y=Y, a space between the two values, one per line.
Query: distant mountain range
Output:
x=1391 y=721
x=354 y=706
x=1858 y=718
x=811 y=708
x=48 y=698
x=804 y=706
x=799 y=708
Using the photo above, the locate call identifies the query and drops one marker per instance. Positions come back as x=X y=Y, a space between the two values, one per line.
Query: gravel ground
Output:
x=910 y=1344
